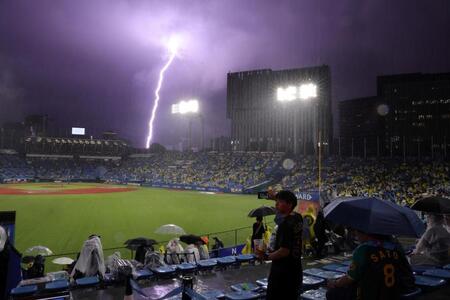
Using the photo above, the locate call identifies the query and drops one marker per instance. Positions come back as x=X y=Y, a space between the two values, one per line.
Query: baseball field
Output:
x=61 y=216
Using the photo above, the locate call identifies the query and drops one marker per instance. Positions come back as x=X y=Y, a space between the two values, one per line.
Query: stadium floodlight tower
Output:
x=190 y=108
x=303 y=92
x=292 y=93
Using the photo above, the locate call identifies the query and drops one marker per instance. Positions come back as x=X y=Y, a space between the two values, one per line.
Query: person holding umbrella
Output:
x=379 y=268
x=258 y=231
x=191 y=251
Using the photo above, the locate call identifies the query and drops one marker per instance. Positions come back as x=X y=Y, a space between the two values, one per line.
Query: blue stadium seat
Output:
x=343 y=269
x=262 y=282
x=25 y=290
x=346 y=262
x=186 y=267
x=447 y=267
x=212 y=294
x=323 y=274
x=226 y=261
x=240 y=287
x=319 y=294
x=419 y=269
x=312 y=282
x=439 y=273
x=242 y=258
x=142 y=274
x=165 y=271
x=241 y=295
x=312 y=271
x=426 y=282
x=332 y=267
x=57 y=285
x=87 y=281
x=207 y=264
x=109 y=278
x=412 y=294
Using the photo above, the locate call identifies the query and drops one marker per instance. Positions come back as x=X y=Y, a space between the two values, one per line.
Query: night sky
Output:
x=95 y=63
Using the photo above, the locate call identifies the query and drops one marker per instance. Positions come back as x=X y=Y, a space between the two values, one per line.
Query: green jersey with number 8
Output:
x=376 y=268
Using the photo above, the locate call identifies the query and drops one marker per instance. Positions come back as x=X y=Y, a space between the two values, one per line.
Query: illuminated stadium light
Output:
x=307 y=91
x=184 y=107
x=302 y=92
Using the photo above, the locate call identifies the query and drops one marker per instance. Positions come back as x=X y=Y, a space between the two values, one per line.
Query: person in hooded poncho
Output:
x=91 y=261
x=173 y=250
x=433 y=247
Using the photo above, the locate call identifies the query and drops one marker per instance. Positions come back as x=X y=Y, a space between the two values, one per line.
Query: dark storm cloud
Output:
x=95 y=63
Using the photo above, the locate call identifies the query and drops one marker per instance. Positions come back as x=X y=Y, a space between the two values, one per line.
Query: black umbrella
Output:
x=433 y=204
x=133 y=244
x=191 y=239
x=261 y=212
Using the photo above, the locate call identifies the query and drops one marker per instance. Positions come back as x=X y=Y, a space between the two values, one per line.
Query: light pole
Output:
x=304 y=92
x=190 y=108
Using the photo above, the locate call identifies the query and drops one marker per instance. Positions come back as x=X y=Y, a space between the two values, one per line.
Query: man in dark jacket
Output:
x=285 y=279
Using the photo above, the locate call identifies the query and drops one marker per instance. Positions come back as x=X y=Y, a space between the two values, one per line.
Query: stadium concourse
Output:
x=392 y=179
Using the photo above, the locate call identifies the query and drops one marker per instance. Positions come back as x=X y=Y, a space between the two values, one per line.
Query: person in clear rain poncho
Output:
x=173 y=250
x=434 y=246
x=91 y=261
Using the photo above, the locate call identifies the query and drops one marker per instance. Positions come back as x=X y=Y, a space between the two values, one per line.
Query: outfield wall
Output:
x=191 y=187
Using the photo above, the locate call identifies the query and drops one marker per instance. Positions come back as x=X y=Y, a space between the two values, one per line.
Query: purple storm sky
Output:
x=95 y=63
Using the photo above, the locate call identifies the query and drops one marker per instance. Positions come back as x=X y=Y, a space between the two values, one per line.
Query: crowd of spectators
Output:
x=390 y=179
x=231 y=170
x=15 y=168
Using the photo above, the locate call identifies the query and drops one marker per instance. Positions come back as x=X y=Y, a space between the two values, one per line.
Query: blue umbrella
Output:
x=373 y=215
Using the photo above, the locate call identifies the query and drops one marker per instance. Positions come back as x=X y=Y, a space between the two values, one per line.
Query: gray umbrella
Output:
x=433 y=204
x=262 y=212
x=38 y=250
x=171 y=229
x=373 y=215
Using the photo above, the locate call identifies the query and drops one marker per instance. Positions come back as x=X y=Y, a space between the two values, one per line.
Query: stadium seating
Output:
x=57 y=285
x=246 y=286
x=318 y=294
x=419 y=269
x=142 y=274
x=333 y=267
x=438 y=273
x=322 y=273
x=185 y=268
x=241 y=295
x=165 y=271
x=426 y=282
x=24 y=290
x=226 y=261
x=87 y=281
x=237 y=171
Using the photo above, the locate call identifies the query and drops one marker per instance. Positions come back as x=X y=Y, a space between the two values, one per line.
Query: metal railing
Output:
x=229 y=238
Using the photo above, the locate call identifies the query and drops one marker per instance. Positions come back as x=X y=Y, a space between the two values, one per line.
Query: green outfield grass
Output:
x=62 y=222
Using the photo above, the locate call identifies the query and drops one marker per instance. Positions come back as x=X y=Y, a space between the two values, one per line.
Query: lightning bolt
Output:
x=156 y=101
